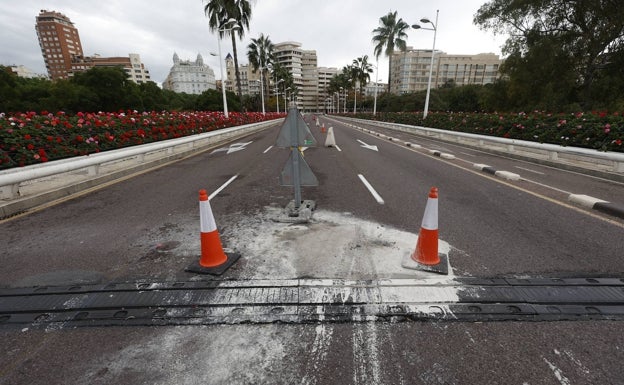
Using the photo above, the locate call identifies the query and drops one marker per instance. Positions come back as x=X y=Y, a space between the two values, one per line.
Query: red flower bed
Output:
x=29 y=138
x=598 y=130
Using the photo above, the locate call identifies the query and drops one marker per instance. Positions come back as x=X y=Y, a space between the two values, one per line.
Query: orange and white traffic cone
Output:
x=323 y=130
x=426 y=254
x=427 y=245
x=213 y=259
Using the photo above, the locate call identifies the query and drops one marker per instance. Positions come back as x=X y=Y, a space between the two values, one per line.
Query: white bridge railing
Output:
x=612 y=162
x=11 y=179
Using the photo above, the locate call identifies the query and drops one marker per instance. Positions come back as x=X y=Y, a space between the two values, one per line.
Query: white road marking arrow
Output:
x=233 y=148
x=368 y=146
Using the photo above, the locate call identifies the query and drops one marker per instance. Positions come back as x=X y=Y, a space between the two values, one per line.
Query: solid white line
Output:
x=222 y=187
x=529 y=170
x=370 y=188
x=267 y=150
x=337 y=148
x=465 y=153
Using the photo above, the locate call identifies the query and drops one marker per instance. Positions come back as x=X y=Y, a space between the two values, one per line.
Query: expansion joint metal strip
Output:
x=312 y=300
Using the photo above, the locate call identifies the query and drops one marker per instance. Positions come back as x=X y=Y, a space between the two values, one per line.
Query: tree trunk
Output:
x=389 y=71
x=238 y=82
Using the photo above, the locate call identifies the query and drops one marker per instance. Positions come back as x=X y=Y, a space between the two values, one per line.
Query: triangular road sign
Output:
x=297 y=137
x=305 y=173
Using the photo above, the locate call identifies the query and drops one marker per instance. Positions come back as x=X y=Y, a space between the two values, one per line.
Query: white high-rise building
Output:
x=190 y=77
x=410 y=70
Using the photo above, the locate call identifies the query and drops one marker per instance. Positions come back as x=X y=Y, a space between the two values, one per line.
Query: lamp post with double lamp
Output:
x=435 y=31
x=224 y=29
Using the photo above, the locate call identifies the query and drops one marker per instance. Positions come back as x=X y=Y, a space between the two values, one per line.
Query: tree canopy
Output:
x=100 y=89
x=390 y=35
x=561 y=51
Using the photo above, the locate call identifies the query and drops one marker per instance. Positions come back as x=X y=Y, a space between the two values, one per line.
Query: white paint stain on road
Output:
x=563 y=380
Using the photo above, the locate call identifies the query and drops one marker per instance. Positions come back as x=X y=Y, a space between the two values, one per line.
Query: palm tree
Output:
x=390 y=34
x=219 y=12
x=260 y=55
x=361 y=70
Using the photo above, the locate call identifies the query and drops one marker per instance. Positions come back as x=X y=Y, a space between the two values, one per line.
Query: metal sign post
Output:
x=295 y=134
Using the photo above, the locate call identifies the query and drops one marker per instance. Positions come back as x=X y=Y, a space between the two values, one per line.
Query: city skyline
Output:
x=119 y=28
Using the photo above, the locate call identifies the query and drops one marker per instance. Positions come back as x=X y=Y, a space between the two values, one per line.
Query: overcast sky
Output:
x=339 y=30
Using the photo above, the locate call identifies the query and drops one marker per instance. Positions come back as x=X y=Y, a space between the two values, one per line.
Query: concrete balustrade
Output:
x=610 y=162
x=13 y=179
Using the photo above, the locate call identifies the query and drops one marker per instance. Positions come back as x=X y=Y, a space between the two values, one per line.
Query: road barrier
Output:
x=330 y=140
x=11 y=179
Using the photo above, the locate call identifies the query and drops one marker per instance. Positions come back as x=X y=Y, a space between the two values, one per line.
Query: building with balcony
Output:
x=59 y=41
x=191 y=77
x=410 y=70
x=250 y=79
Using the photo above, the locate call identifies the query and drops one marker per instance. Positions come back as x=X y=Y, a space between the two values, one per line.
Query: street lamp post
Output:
x=435 y=31
x=262 y=87
x=344 y=107
x=277 y=92
x=339 y=96
x=376 y=80
x=355 y=87
x=230 y=21
x=286 y=98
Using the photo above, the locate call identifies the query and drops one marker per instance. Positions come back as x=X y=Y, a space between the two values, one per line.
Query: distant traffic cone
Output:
x=330 y=141
x=213 y=260
x=317 y=122
x=426 y=256
x=323 y=130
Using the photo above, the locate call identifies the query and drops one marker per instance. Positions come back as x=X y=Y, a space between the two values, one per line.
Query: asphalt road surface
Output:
x=145 y=230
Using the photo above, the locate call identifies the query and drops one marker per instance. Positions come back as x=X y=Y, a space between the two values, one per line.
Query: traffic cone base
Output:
x=441 y=268
x=196 y=267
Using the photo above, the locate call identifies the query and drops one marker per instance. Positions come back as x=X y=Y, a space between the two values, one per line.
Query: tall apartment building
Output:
x=190 y=77
x=63 y=55
x=59 y=42
x=325 y=74
x=410 y=70
x=310 y=100
x=289 y=56
x=303 y=66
